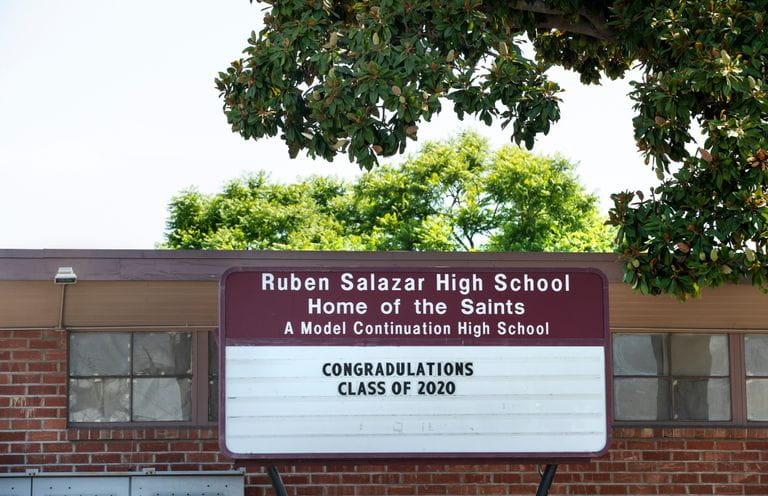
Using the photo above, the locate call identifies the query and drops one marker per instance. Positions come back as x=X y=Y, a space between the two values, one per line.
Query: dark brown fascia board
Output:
x=208 y=265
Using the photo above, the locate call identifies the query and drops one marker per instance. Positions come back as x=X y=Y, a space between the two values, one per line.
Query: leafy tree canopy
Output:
x=453 y=195
x=356 y=77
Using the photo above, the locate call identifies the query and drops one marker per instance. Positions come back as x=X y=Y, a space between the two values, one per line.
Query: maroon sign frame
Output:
x=367 y=306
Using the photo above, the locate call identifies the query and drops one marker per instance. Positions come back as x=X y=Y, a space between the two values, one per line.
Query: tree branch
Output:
x=599 y=23
x=537 y=7
x=587 y=29
x=591 y=25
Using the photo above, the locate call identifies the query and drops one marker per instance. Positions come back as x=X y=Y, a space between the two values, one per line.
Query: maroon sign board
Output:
x=431 y=362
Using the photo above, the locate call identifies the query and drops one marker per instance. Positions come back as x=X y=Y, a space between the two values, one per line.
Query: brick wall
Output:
x=34 y=434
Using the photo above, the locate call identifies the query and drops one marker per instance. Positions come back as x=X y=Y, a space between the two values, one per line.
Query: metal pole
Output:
x=546 y=480
x=277 y=482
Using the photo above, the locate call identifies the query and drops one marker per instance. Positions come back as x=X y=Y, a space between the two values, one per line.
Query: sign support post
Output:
x=546 y=479
x=277 y=481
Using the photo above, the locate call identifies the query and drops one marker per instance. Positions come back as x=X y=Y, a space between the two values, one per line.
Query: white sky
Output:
x=108 y=109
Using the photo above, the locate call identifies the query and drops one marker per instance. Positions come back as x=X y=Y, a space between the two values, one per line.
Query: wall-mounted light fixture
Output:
x=65 y=275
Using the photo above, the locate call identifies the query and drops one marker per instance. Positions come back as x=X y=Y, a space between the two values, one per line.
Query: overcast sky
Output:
x=108 y=109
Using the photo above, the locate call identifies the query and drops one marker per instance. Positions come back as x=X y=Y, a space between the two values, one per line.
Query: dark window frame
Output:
x=199 y=380
x=737 y=379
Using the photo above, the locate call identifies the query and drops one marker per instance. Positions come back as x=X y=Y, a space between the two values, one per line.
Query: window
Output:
x=756 y=367
x=139 y=377
x=672 y=377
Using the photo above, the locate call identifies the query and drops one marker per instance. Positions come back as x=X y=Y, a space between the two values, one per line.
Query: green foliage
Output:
x=705 y=224
x=255 y=214
x=357 y=76
x=454 y=195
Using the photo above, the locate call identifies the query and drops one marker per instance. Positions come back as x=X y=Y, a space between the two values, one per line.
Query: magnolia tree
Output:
x=357 y=77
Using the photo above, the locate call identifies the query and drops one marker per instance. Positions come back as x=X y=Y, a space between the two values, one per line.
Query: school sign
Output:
x=433 y=362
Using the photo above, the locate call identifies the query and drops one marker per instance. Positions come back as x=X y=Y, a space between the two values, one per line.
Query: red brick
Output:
x=57 y=447
x=120 y=446
x=27 y=355
x=325 y=479
x=153 y=446
x=105 y=458
x=11 y=459
x=203 y=458
x=54 y=423
x=364 y=479
x=54 y=401
x=684 y=478
x=642 y=489
x=45 y=412
x=10 y=344
x=395 y=478
x=673 y=490
x=656 y=455
x=688 y=455
x=729 y=445
x=477 y=478
x=315 y=490
x=700 y=445
x=27 y=333
x=188 y=446
x=701 y=467
x=12 y=390
x=745 y=478
x=612 y=466
x=506 y=478
x=608 y=489
x=6 y=367
x=12 y=436
x=170 y=457
x=730 y=467
x=54 y=379
x=90 y=468
x=490 y=489
x=641 y=467
x=461 y=490
x=60 y=468
x=42 y=436
x=43 y=367
x=26 y=424
x=89 y=447
x=42 y=344
x=591 y=477
x=657 y=478
x=714 y=478
x=736 y=489
x=625 y=477
x=43 y=390
x=73 y=458
x=756 y=445
x=700 y=489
